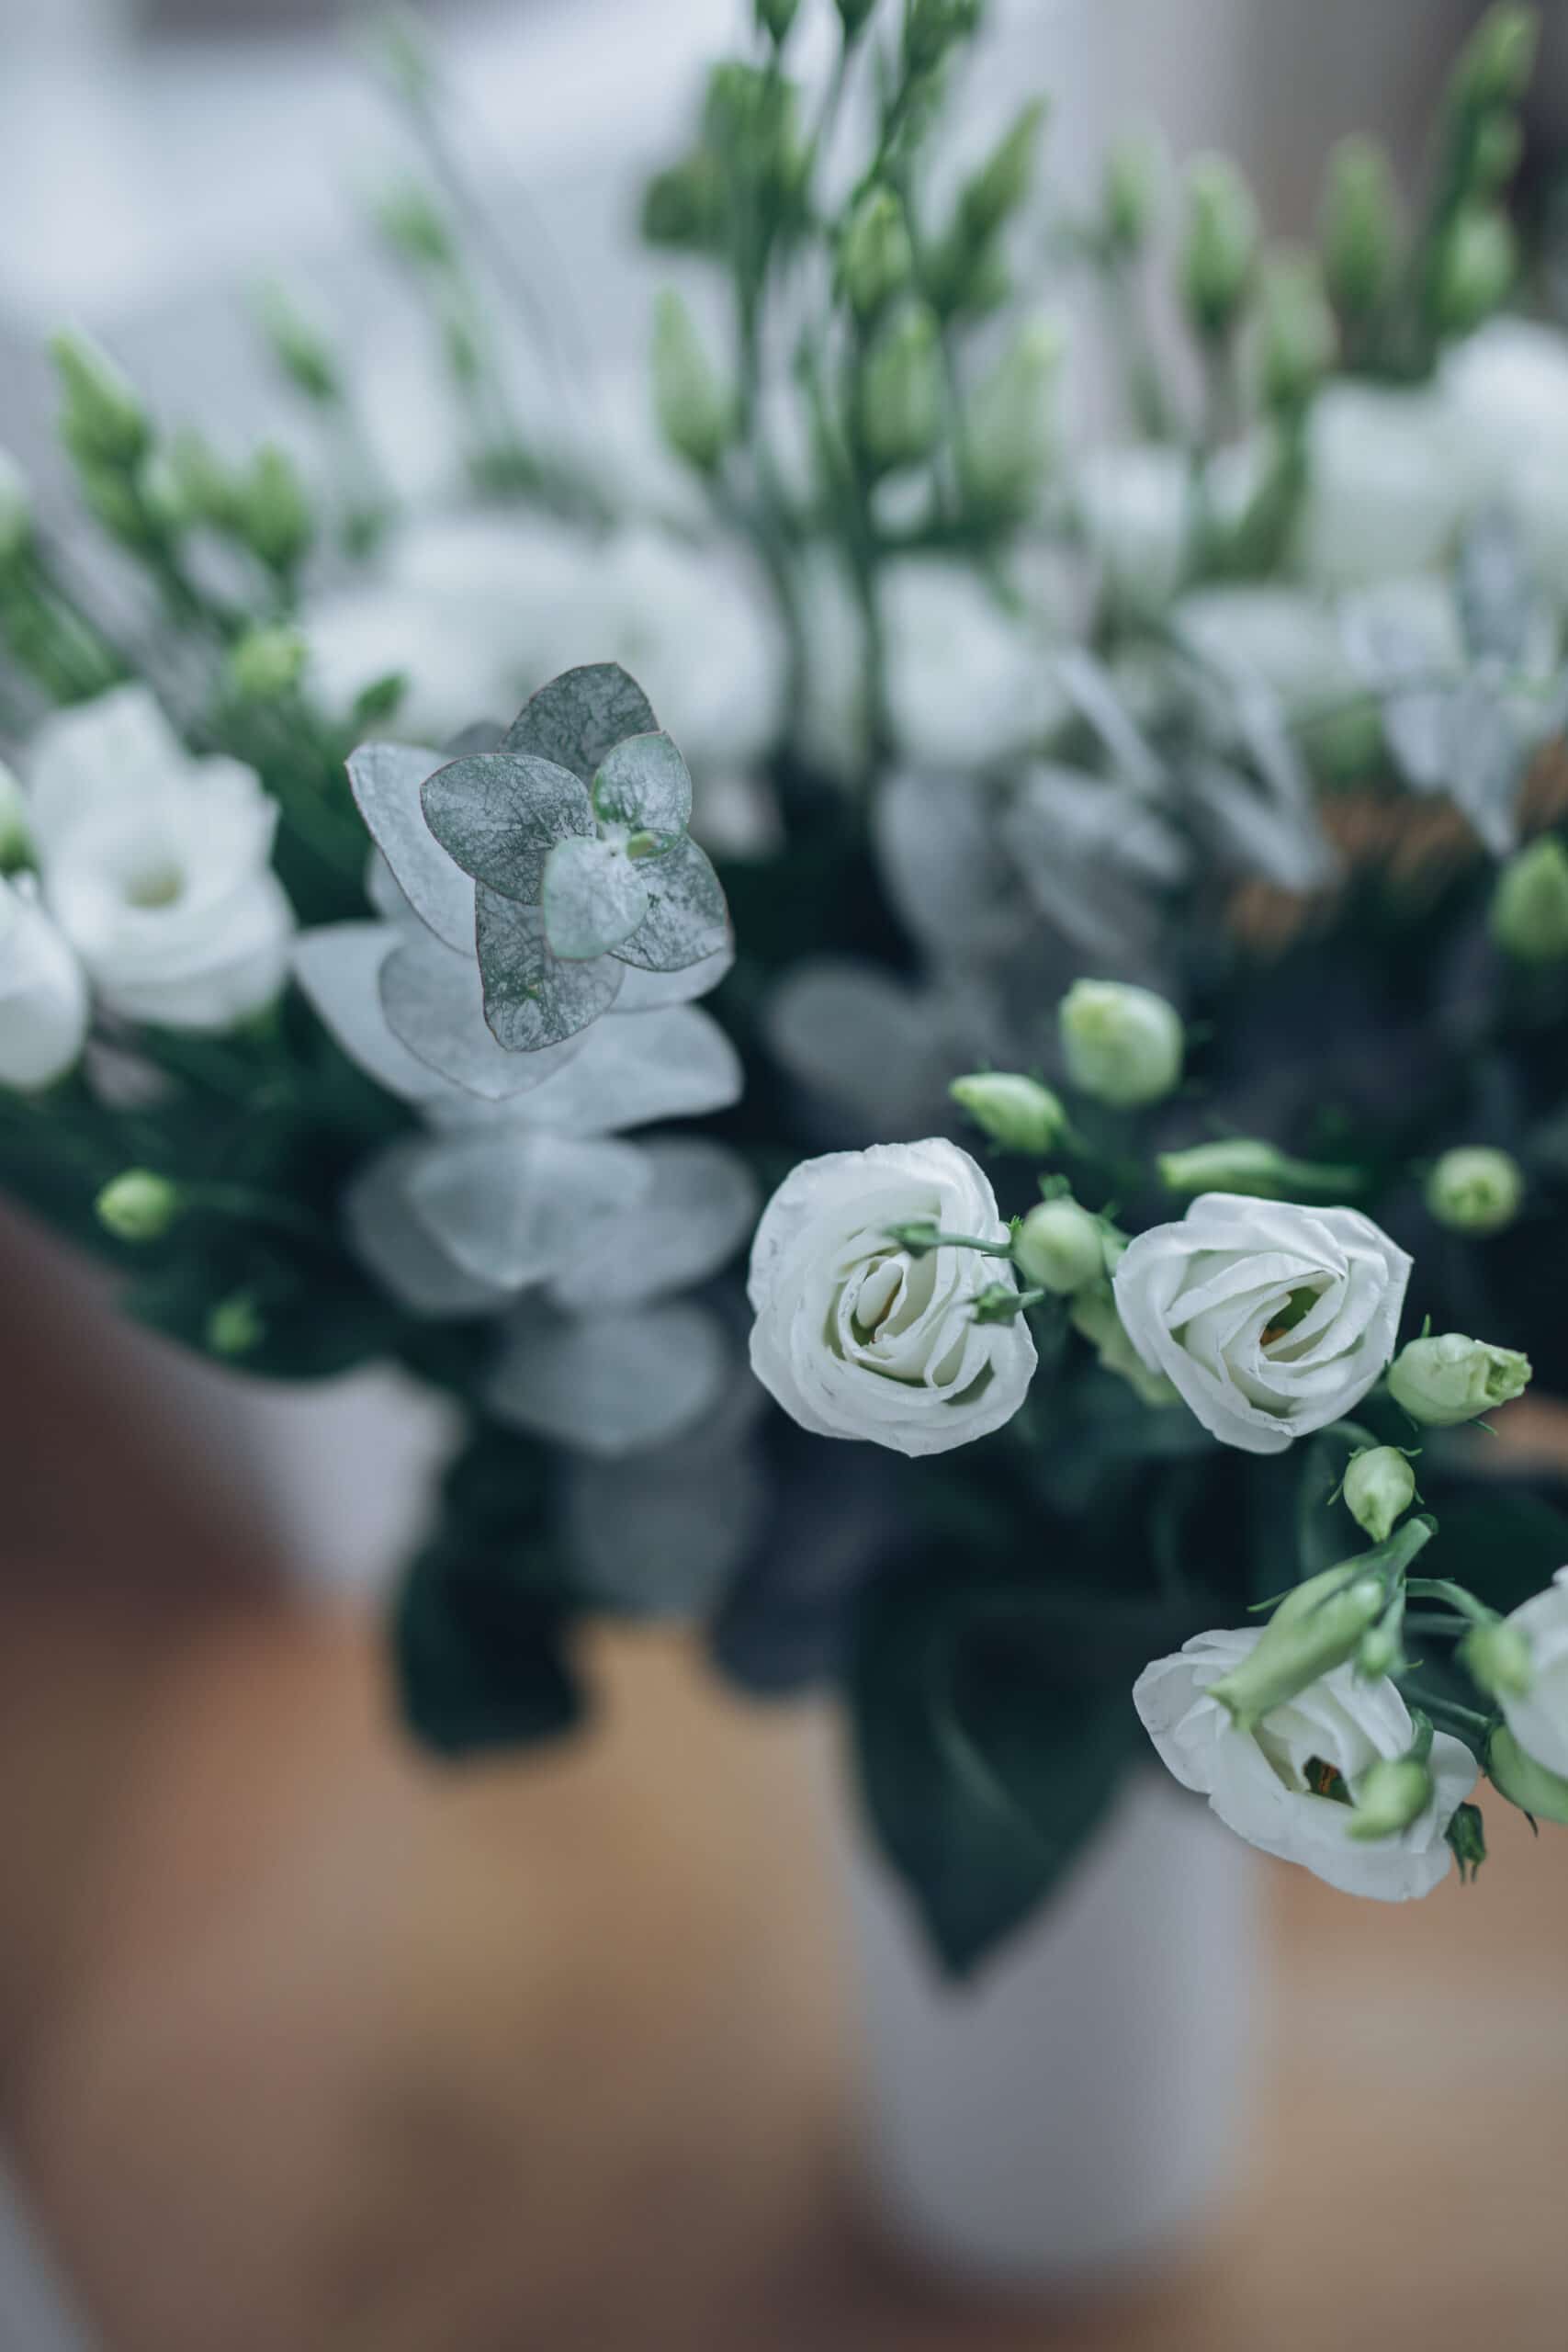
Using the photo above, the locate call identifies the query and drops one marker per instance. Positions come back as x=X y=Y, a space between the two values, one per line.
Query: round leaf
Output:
x=594 y=898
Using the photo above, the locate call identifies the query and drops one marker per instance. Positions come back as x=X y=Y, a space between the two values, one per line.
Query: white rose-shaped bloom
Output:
x=969 y=683
x=1539 y=1720
x=1389 y=482
x=157 y=866
x=1257 y=1782
x=1509 y=388
x=43 y=994
x=855 y=1338
x=1270 y=1321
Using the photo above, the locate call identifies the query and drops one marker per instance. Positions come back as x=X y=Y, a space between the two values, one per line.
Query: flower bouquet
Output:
x=1109 y=903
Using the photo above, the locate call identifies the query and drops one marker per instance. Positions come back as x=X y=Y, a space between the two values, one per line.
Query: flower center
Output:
x=1296 y=1309
x=154 y=886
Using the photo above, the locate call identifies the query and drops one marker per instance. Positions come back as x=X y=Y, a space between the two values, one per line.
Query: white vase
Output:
x=1079 y=2109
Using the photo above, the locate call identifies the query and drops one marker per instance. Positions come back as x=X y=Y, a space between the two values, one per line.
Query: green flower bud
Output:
x=1243 y=1164
x=1466 y=1833
x=1452 y=1379
x=1123 y=1045
x=1496 y=65
x=1004 y=179
x=1016 y=1112
x=205 y=489
x=1298 y=337
x=686 y=205
x=300 y=350
x=235 y=1326
x=777 y=18
x=1515 y=1775
x=1498 y=1658
x=1379 y=1486
x=696 y=414
x=875 y=258
x=931 y=28
x=1358 y=228
x=1095 y=1317
x=901 y=390
x=408 y=219
x=1317 y=1627
x=273 y=516
x=1134 y=168
x=1475 y=268
x=1499 y=143
x=1475 y=1190
x=1221 y=244
x=1530 y=906
x=15 y=515
x=1378 y=1654
x=138 y=1205
x=1008 y=431
x=1392 y=1793
x=102 y=421
x=16 y=832
x=1060 y=1247
x=266 y=664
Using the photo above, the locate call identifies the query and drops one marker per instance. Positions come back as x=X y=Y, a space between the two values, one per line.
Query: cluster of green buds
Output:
x=1325 y=1624
x=1473 y=261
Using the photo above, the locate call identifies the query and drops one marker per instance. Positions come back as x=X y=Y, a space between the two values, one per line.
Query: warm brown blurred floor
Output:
x=356 y=2056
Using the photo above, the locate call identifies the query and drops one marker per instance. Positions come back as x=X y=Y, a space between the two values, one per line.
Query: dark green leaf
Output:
x=480 y=1658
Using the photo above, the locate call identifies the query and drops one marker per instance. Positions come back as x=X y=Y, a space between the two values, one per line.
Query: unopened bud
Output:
x=1475 y=268
x=1003 y=180
x=1221 y=244
x=901 y=393
x=1060 y=1247
x=139 y=1205
x=1298 y=337
x=1515 y=1775
x=1317 y=1627
x=1466 y=1834
x=1358 y=228
x=854 y=16
x=1243 y=1164
x=1134 y=168
x=1496 y=62
x=1530 y=906
x=15 y=830
x=696 y=414
x=235 y=1326
x=1390 y=1796
x=102 y=421
x=1016 y=1112
x=411 y=222
x=1379 y=1486
x=268 y=663
x=1095 y=1317
x=273 y=515
x=1498 y=1658
x=299 y=348
x=1450 y=1378
x=1499 y=143
x=777 y=18
x=16 y=513
x=875 y=258
x=1475 y=1190
x=1008 y=431
x=1123 y=1045
x=932 y=27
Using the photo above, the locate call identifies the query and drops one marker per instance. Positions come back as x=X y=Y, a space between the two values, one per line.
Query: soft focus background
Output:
x=301 y=2044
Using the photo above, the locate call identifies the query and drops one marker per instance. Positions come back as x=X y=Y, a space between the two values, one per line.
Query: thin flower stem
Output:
x=257 y=1209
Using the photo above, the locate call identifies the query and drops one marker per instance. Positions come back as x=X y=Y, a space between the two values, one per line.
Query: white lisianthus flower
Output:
x=1265 y=1784
x=157 y=866
x=1270 y=1321
x=858 y=1337
x=1507 y=385
x=1539 y=1719
x=1389 y=481
x=969 y=685
x=43 y=993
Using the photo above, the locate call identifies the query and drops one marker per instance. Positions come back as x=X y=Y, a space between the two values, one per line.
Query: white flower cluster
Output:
x=154 y=896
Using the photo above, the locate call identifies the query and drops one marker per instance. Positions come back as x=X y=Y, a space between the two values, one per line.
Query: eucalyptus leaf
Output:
x=661 y=1533
x=434 y=1004
x=594 y=898
x=500 y=814
x=644 y=783
x=698 y=1205
x=511 y=1208
x=533 y=1000
x=687 y=920
x=1496 y=600
x=609 y=1385
x=1099 y=701
x=398 y=1249
x=658 y=991
x=338 y=967
x=675 y=1064
x=386 y=781
x=579 y=717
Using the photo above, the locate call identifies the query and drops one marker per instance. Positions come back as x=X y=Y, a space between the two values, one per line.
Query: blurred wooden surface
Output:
x=307 y=2045
x=352 y=2055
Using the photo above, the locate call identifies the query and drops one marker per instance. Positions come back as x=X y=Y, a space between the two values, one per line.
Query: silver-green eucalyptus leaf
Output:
x=657 y=992
x=435 y=1005
x=687 y=920
x=387 y=780
x=500 y=814
x=534 y=1000
x=577 y=719
x=644 y=784
x=398 y=1249
x=609 y=1385
x=514 y=1208
x=700 y=1204
x=338 y=965
x=673 y=1064
x=594 y=898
